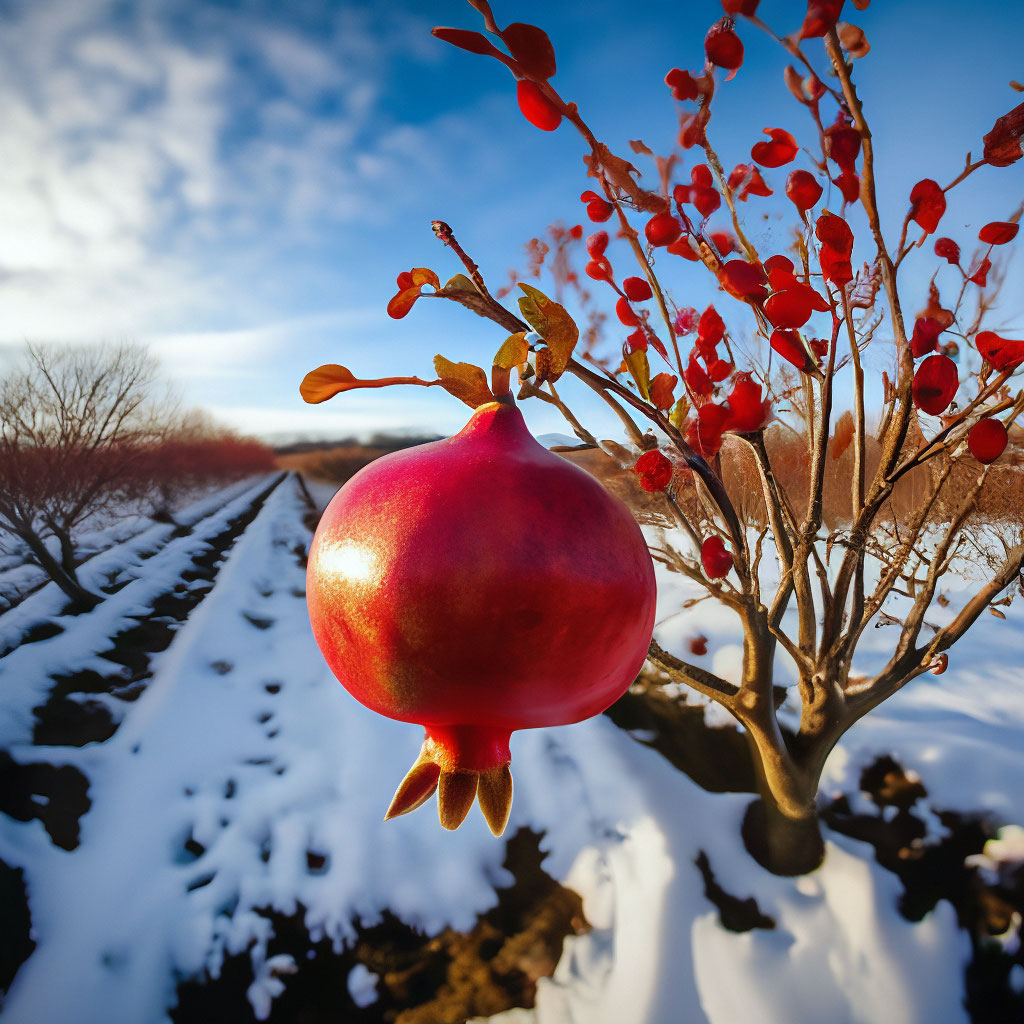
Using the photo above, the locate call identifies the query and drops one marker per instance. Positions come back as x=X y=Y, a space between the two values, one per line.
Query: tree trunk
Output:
x=80 y=597
x=781 y=830
x=67 y=553
x=780 y=844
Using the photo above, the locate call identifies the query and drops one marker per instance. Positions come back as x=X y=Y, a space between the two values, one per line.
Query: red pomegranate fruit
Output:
x=478 y=585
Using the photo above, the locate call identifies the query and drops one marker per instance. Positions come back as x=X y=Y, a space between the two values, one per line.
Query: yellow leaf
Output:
x=466 y=382
x=640 y=371
x=677 y=417
x=514 y=352
x=553 y=324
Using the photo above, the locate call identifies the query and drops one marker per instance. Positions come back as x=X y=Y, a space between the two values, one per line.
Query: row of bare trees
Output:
x=88 y=431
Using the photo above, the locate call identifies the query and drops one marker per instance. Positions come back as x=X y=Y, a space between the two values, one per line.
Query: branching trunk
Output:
x=67 y=581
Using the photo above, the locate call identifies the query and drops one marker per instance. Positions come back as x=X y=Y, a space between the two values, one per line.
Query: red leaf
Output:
x=935 y=384
x=532 y=48
x=536 y=107
x=723 y=242
x=948 y=250
x=464 y=39
x=781 y=150
x=803 y=189
x=842 y=144
x=722 y=46
x=637 y=341
x=935 y=310
x=835 y=267
x=834 y=232
x=637 y=289
x=707 y=200
x=597 y=243
x=747 y=7
x=849 y=185
x=1003 y=143
x=789 y=346
x=625 y=314
x=1001 y=353
x=744 y=280
x=598 y=270
x=719 y=369
x=748 y=412
x=682 y=247
x=927 y=204
x=654 y=470
x=697 y=381
x=779 y=264
x=821 y=16
x=704 y=431
x=789 y=308
x=711 y=328
x=926 y=336
x=716 y=558
x=683 y=84
x=746 y=180
x=998 y=232
x=980 y=276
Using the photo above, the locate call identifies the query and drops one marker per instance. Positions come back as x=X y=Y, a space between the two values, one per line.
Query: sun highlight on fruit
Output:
x=453 y=584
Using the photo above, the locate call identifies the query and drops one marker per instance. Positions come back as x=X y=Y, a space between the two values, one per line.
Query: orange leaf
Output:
x=661 y=390
x=468 y=383
x=414 y=280
x=329 y=380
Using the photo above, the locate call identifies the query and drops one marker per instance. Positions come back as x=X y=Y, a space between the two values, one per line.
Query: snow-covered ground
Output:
x=243 y=754
x=20 y=576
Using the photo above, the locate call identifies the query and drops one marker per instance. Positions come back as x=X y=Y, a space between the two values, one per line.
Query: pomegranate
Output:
x=478 y=585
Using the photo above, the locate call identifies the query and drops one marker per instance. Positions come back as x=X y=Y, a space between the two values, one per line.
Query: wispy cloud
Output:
x=162 y=161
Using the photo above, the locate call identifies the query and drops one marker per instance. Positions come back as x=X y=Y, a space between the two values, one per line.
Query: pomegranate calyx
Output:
x=462 y=764
x=456 y=792
x=416 y=789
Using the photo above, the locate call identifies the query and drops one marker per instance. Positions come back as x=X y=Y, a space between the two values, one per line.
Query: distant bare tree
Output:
x=75 y=423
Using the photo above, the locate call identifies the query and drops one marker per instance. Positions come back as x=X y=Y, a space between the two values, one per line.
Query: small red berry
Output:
x=935 y=384
x=722 y=46
x=662 y=229
x=654 y=470
x=987 y=440
x=716 y=558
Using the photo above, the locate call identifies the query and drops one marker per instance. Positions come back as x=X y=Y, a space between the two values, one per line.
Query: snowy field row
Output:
x=244 y=778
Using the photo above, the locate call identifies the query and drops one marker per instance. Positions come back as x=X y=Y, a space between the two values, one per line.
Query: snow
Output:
x=244 y=743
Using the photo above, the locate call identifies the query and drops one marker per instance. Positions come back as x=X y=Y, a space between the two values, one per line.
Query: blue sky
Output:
x=238 y=183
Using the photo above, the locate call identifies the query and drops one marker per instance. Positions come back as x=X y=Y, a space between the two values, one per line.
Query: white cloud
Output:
x=151 y=179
